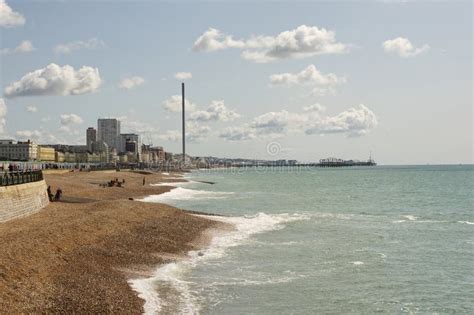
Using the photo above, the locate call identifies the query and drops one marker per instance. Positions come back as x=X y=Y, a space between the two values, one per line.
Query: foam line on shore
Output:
x=175 y=184
x=180 y=193
x=172 y=275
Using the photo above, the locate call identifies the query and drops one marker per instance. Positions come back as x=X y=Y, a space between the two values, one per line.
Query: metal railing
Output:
x=20 y=177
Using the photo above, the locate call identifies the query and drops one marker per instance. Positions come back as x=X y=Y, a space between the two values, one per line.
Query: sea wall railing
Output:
x=20 y=177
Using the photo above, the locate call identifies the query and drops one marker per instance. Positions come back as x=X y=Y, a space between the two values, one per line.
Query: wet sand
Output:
x=75 y=256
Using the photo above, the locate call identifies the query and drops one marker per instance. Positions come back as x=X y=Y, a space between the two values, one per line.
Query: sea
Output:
x=355 y=240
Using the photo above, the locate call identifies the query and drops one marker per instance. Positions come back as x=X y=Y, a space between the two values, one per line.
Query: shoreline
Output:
x=79 y=255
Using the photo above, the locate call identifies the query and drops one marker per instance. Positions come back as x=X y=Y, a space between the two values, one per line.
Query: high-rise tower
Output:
x=108 y=130
x=91 y=137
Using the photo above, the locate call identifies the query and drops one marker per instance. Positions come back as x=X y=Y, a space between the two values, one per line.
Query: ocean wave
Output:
x=466 y=222
x=252 y=282
x=175 y=184
x=172 y=275
x=180 y=193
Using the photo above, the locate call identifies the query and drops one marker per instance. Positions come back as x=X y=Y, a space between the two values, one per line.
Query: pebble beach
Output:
x=76 y=255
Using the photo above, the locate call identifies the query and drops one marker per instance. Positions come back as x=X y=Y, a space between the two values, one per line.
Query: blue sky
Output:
x=417 y=100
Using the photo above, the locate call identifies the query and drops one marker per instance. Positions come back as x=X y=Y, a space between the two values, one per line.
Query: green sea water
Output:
x=358 y=240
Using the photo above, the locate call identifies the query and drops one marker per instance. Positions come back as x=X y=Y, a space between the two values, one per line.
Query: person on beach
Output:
x=50 y=194
x=143 y=181
x=58 y=195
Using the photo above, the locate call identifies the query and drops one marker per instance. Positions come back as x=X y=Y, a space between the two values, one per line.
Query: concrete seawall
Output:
x=20 y=200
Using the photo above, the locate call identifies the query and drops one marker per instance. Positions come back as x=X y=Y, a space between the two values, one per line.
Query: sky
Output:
x=268 y=80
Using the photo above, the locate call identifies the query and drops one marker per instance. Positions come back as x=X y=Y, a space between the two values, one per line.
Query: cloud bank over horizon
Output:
x=354 y=122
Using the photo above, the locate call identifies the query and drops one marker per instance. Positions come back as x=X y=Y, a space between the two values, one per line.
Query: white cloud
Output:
x=238 y=133
x=310 y=76
x=31 y=109
x=173 y=104
x=213 y=39
x=90 y=44
x=304 y=41
x=8 y=17
x=130 y=83
x=194 y=133
x=403 y=47
x=3 y=114
x=43 y=136
x=171 y=135
x=276 y=124
x=25 y=46
x=314 y=108
x=217 y=111
x=138 y=126
x=183 y=75
x=352 y=122
x=56 y=80
x=70 y=119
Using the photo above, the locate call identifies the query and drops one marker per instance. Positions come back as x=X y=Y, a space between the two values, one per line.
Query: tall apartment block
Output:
x=91 y=137
x=108 y=130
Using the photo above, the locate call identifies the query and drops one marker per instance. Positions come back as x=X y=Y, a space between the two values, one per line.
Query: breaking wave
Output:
x=180 y=193
x=167 y=291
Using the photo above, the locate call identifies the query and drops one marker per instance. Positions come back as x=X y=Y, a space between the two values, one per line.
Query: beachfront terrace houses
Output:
x=11 y=150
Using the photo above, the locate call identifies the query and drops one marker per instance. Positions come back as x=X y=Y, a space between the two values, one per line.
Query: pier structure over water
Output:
x=328 y=162
x=335 y=162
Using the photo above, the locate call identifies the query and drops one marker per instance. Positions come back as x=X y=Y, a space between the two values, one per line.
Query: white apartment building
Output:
x=108 y=130
x=11 y=150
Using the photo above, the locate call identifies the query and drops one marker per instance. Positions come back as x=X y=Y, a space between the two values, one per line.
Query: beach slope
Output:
x=76 y=256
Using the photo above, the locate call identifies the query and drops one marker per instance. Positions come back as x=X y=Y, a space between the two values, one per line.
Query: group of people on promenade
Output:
x=55 y=197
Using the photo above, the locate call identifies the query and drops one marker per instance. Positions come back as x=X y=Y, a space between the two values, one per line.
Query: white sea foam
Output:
x=180 y=193
x=250 y=282
x=407 y=217
x=358 y=263
x=175 y=184
x=466 y=222
x=165 y=173
x=172 y=275
x=398 y=221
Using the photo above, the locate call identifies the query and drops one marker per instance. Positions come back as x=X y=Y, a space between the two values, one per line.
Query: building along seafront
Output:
x=46 y=154
x=11 y=150
x=108 y=130
x=91 y=137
